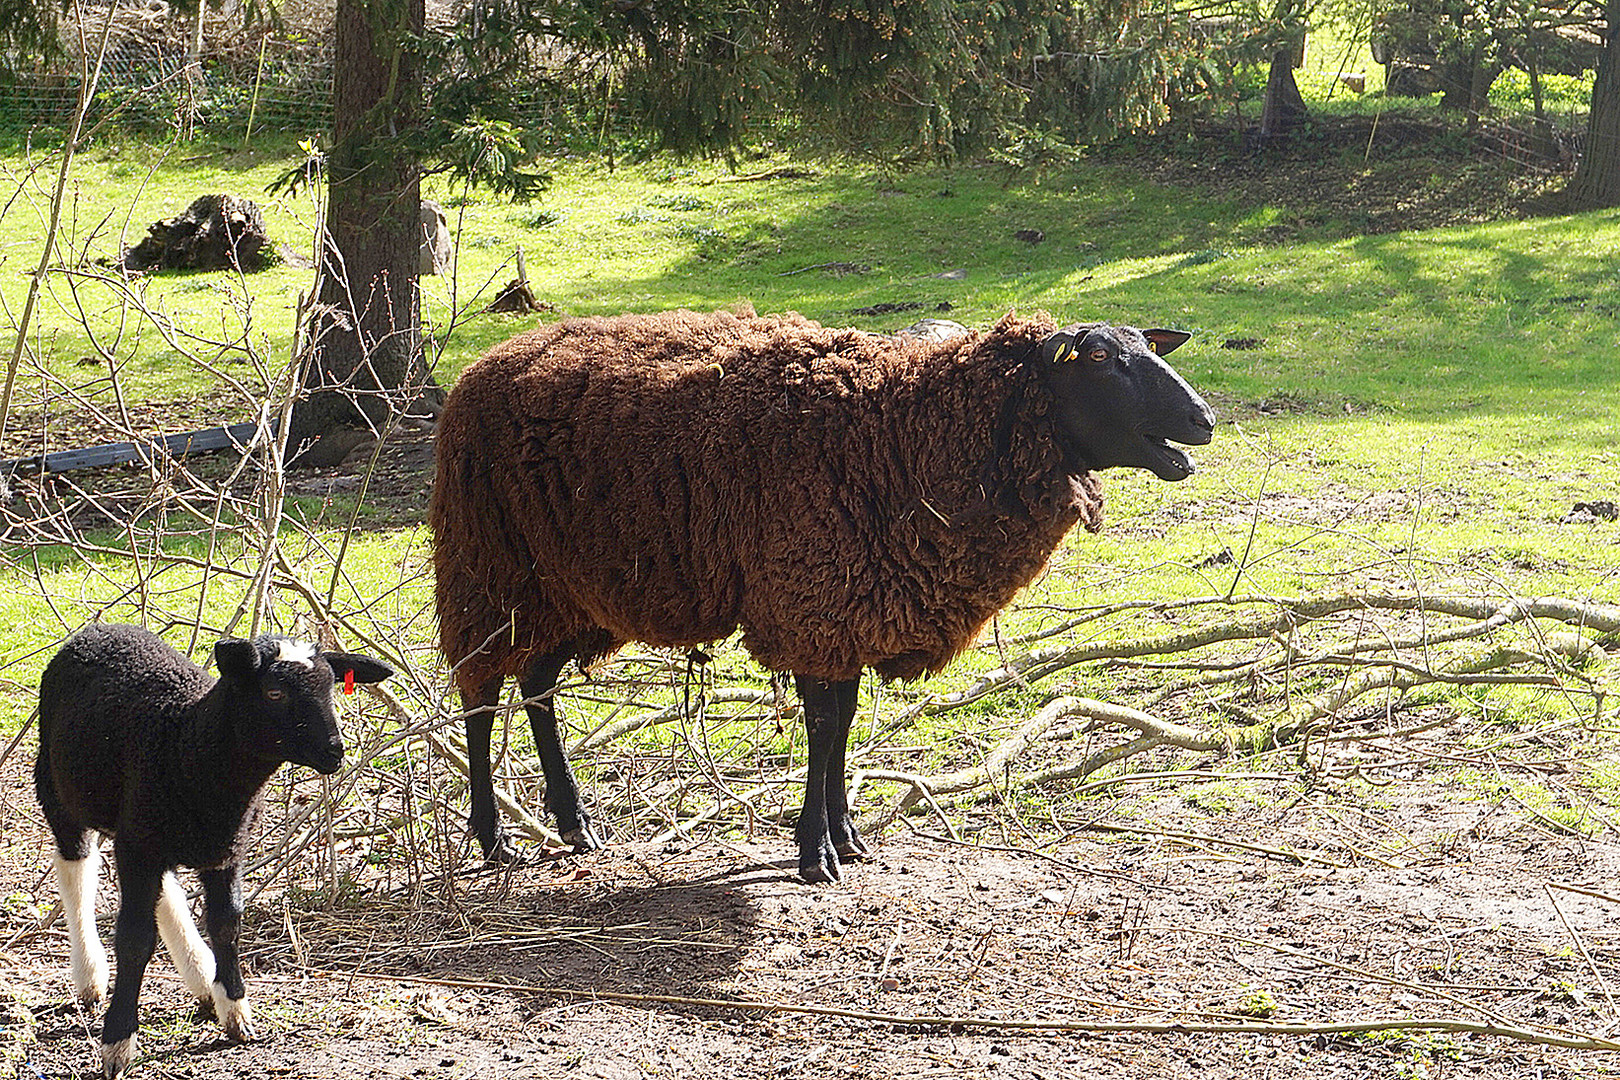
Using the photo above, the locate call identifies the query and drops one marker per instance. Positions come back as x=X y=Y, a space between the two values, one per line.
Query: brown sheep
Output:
x=848 y=500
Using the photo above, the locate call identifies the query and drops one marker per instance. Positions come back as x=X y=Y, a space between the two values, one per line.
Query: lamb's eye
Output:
x=1099 y=356
x=274 y=693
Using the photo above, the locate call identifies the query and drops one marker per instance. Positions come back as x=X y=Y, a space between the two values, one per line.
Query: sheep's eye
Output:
x=1099 y=355
x=274 y=693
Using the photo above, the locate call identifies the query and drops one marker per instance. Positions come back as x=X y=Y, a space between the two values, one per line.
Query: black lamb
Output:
x=850 y=501
x=137 y=742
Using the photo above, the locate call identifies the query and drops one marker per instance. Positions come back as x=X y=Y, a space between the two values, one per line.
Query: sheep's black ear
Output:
x=1060 y=347
x=236 y=658
x=1165 y=341
x=366 y=670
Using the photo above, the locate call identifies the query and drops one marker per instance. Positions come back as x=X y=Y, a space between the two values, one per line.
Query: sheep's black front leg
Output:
x=479 y=705
x=846 y=841
x=222 y=908
x=562 y=790
x=828 y=710
x=139 y=883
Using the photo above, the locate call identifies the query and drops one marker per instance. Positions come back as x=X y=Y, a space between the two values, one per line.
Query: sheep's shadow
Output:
x=676 y=937
x=612 y=922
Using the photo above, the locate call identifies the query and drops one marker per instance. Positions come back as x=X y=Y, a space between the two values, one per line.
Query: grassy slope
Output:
x=1422 y=405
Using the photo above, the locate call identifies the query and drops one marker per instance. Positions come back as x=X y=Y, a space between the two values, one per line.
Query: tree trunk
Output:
x=367 y=362
x=1284 y=108
x=1596 y=184
x=1544 y=144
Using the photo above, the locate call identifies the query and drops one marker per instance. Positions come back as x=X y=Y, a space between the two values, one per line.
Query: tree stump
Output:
x=438 y=250
x=216 y=232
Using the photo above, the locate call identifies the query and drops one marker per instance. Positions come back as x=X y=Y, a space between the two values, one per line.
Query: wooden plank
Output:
x=207 y=440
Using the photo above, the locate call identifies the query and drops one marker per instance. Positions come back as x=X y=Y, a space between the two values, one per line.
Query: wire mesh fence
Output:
x=246 y=77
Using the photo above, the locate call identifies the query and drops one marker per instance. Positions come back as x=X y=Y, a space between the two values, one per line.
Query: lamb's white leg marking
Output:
x=115 y=1057
x=76 y=885
x=192 y=956
x=236 y=1017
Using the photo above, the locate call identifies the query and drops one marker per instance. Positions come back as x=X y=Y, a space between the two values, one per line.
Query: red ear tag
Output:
x=348 y=681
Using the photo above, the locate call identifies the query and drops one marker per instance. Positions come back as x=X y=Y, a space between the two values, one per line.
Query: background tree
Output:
x=1283 y=111
x=922 y=77
x=367 y=356
x=896 y=78
x=29 y=29
x=1596 y=183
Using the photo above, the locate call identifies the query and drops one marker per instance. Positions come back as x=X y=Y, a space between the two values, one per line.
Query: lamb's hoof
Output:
x=235 y=1015
x=90 y=982
x=115 y=1057
x=93 y=993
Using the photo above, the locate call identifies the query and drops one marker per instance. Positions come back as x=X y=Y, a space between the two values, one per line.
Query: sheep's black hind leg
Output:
x=846 y=841
x=562 y=790
x=222 y=908
x=828 y=710
x=140 y=880
x=479 y=705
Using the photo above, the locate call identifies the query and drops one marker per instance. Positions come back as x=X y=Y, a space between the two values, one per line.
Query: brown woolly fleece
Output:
x=848 y=500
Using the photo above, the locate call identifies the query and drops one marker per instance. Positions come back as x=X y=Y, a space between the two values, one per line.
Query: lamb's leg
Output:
x=482 y=820
x=823 y=705
x=78 y=866
x=140 y=881
x=222 y=907
x=562 y=790
x=846 y=841
x=191 y=956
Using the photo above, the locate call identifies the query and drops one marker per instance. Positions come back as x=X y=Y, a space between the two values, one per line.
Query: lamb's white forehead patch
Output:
x=295 y=652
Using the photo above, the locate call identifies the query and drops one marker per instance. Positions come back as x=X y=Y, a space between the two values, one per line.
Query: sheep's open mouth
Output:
x=1169 y=462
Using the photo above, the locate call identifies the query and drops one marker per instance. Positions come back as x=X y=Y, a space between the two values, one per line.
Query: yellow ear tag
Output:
x=1153 y=347
x=1063 y=353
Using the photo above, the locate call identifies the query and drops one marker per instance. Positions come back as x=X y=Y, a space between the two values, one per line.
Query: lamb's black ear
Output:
x=237 y=658
x=1165 y=341
x=1059 y=348
x=366 y=670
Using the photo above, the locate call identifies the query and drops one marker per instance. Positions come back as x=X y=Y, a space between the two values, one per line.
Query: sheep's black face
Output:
x=283 y=691
x=1119 y=405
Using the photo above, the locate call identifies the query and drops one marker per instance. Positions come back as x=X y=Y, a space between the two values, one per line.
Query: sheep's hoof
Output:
x=819 y=866
x=849 y=845
x=502 y=851
x=818 y=873
x=115 y=1057
x=582 y=839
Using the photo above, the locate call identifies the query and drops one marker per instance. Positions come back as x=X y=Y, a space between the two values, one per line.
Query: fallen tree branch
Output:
x=669 y=713
x=1572 y=1040
x=1291 y=613
x=1155 y=732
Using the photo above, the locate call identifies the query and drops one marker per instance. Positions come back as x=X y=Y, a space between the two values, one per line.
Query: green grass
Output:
x=1421 y=407
x=1418 y=323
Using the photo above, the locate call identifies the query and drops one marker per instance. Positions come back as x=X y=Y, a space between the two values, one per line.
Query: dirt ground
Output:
x=1272 y=910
